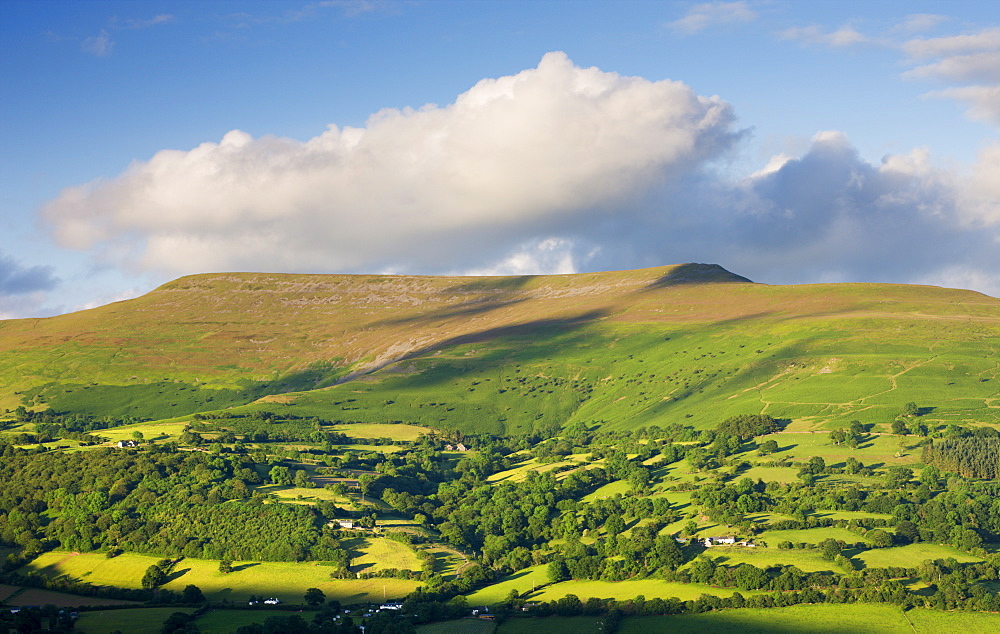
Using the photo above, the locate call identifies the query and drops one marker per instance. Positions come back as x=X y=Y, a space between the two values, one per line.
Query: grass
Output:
x=810 y=536
x=287 y=581
x=628 y=589
x=402 y=433
x=803 y=446
x=806 y=560
x=523 y=581
x=379 y=553
x=131 y=620
x=37 y=596
x=934 y=621
x=858 y=618
x=501 y=355
x=553 y=625
x=461 y=626
x=228 y=621
x=911 y=556
x=150 y=431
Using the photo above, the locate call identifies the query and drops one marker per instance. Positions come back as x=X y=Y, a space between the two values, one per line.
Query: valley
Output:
x=552 y=447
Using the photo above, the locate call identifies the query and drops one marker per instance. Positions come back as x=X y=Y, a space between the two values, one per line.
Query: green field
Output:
x=553 y=625
x=228 y=621
x=132 y=620
x=827 y=619
x=462 y=626
x=523 y=581
x=803 y=446
x=809 y=536
x=379 y=553
x=287 y=581
x=404 y=433
x=805 y=560
x=628 y=589
x=911 y=556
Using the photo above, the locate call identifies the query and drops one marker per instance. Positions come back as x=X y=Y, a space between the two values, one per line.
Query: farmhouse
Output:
x=716 y=541
x=128 y=443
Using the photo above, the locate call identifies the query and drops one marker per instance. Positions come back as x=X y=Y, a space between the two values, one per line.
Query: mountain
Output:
x=687 y=343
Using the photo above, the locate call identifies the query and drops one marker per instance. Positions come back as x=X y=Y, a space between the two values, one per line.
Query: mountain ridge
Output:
x=222 y=340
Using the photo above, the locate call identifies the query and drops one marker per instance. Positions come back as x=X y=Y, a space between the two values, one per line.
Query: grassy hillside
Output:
x=688 y=343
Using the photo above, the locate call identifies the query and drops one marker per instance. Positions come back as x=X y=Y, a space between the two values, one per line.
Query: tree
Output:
x=193 y=594
x=767 y=447
x=225 y=566
x=879 y=538
x=279 y=474
x=315 y=596
x=911 y=409
x=557 y=571
x=153 y=578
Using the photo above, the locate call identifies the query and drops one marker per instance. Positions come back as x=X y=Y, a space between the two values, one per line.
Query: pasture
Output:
x=398 y=432
x=287 y=581
x=379 y=553
x=801 y=447
x=810 y=536
x=228 y=621
x=911 y=556
x=628 y=589
x=805 y=560
x=859 y=618
x=159 y=431
x=129 y=620
x=553 y=625
x=523 y=581
x=461 y=626
x=15 y=595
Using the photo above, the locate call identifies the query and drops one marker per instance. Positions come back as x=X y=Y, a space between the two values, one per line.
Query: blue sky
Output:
x=792 y=142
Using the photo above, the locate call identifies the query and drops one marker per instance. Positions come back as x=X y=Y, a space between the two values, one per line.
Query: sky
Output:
x=788 y=141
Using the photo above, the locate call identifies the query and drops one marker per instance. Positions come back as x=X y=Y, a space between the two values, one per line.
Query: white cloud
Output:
x=983 y=40
x=981 y=67
x=701 y=16
x=970 y=62
x=844 y=36
x=553 y=170
x=919 y=22
x=433 y=188
x=99 y=45
x=552 y=255
x=983 y=101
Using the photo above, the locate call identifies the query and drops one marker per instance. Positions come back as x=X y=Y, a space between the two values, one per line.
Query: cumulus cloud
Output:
x=556 y=169
x=825 y=216
x=416 y=189
x=702 y=16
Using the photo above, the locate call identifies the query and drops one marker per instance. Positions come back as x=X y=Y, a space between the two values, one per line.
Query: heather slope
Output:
x=686 y=343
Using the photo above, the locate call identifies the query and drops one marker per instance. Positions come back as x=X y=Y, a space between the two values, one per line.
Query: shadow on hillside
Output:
x=244 y=567
x=537 y=330
x=693 y=273
x=177 y=574
x=498 y=292
x=491 y=284
x=464 y=309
